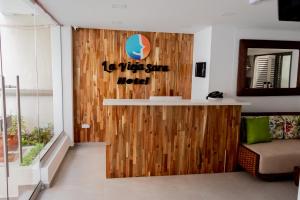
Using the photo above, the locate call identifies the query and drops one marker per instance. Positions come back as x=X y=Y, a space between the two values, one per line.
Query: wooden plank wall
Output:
x=171 y=140
x=91 y=85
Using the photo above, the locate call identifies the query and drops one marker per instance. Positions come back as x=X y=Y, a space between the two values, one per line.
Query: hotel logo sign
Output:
x=138 y=48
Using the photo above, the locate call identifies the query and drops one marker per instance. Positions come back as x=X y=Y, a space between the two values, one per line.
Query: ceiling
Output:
x=166 y=15
x=22 y=13
x=21 y=7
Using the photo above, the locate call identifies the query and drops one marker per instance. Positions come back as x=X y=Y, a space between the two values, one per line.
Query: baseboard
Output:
x=51 y=164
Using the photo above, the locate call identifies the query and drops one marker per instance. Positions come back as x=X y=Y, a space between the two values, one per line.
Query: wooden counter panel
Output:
x=171 y=140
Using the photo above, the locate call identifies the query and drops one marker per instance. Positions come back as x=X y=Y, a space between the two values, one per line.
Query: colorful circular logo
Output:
x=137 y=47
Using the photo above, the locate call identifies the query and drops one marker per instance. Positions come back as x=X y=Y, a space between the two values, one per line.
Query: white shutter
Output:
x=264 y=68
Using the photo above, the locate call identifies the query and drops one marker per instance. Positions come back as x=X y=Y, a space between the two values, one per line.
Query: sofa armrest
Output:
x=248 y=160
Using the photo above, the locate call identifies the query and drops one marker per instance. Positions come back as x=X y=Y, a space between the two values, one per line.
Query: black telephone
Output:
x=215 y=94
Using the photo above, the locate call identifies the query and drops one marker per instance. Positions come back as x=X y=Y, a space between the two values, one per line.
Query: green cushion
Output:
x=258 y=130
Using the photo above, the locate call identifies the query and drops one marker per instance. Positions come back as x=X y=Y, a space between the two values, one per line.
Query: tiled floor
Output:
x=82 y=176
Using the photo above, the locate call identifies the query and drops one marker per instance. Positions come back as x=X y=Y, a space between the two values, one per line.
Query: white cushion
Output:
x=278 y=156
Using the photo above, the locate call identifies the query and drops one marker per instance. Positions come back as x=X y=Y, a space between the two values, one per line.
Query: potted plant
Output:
x=1 y=149
x=38 y=135
x=12 y=139
x=12 y=132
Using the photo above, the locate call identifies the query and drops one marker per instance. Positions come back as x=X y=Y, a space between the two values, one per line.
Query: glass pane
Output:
x=56 y=79
x=48 y=54
x=18 y=46
x=286 y=69
x=272 y=68
x=18 y=53
x=31 y=51
x=3 y=178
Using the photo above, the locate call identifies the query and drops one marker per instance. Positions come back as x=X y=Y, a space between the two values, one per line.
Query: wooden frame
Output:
x=268 y=113
x=241 y=79
x=296 y=175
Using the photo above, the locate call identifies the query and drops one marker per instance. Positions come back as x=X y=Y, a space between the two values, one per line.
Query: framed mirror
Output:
x=268 y=68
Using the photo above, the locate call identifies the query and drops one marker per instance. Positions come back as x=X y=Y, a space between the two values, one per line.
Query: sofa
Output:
x=273 y=158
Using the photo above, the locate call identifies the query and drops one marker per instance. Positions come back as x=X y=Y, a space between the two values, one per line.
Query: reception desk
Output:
x=159 y=137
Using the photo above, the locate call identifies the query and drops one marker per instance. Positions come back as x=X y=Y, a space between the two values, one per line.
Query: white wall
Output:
x=224 y=62
x=57 y=79
x=201 y=53
x=222 y=55
x=67 y=73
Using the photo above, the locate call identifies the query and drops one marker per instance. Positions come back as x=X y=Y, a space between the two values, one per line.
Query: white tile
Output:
x=82 y=176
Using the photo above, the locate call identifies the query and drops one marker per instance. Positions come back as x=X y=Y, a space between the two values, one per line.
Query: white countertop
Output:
x=162 y=102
